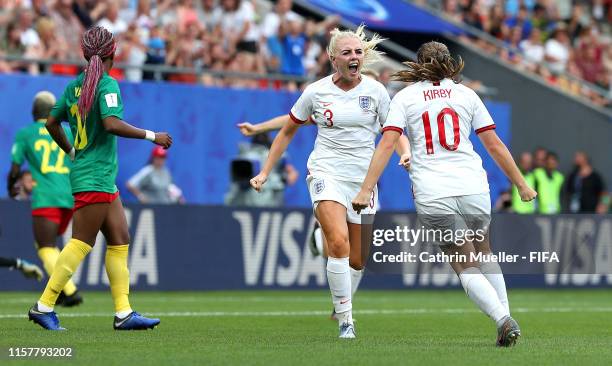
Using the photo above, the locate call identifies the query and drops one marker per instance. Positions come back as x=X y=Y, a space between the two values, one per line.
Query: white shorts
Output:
x=325 y=188
x=456 y=213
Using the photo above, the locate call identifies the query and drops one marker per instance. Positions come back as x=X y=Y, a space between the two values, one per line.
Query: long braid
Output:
x=97 y=44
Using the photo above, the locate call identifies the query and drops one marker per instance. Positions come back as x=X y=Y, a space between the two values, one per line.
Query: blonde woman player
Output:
x=317 y=243
x=447 y=174
x=348 y=110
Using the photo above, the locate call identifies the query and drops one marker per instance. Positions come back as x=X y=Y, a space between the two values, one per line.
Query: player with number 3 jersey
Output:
x=348 y=110
x=449 y=184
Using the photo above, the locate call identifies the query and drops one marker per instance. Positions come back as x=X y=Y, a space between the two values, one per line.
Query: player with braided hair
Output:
x=92 y=105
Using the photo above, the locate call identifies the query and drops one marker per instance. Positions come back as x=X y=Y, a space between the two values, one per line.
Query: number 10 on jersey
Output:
x=80 y=140
x=441 y=131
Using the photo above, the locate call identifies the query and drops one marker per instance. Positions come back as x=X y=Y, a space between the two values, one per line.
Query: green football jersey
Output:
x=95 y=165
x=48 y=164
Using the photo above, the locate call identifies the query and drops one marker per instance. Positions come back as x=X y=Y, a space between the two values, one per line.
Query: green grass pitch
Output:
x=560 y=327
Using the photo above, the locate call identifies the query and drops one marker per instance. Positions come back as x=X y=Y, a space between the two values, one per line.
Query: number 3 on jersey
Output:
x=80 y=140
x=441 y=130
x=328 y=116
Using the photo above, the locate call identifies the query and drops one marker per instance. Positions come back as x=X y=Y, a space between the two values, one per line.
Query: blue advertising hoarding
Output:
x=215 y=248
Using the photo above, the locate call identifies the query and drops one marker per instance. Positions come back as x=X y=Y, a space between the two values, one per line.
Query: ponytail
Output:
x=97 y=44
x=93 y=73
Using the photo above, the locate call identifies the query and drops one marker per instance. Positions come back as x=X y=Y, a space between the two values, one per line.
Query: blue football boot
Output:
x=48 y=320
x=135 y=321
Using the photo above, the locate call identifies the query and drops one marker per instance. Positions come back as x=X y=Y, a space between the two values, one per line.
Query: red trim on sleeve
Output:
x=393 y=128
x=295 y=119
x=486 y=128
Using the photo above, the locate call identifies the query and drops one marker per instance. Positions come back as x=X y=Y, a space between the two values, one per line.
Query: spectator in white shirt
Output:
x=533 y=49
x=210 y=14
x=134 y=53
x=29 y=37
x=112 y=22
x=238 y=26
x=272 y=21
x=557 y=50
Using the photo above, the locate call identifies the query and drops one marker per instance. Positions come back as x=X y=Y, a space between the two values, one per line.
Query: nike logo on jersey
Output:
x=342 y=302
x=326 y=104
x=436 y=93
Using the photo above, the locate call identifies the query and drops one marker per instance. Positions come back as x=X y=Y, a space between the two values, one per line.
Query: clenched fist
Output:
x=258 y=181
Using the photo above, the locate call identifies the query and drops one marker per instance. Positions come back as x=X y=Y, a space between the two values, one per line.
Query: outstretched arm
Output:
x=276 y=123
x=281 y=141
x=121 y=128
x=383 y=152
x=499 y=152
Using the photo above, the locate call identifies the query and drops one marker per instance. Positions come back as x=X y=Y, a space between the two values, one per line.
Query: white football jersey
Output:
x=438 y=118
x=347 y=122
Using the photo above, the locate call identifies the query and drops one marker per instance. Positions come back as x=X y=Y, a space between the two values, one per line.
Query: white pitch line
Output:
x=321 y=313
x=275 y=299
x=219 y=299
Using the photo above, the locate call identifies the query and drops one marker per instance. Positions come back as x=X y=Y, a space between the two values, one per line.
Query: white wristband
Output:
x=150 y=135
x=72 y=153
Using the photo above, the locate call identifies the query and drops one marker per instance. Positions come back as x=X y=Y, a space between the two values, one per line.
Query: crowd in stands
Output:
x=554 y=38
x=218 y=35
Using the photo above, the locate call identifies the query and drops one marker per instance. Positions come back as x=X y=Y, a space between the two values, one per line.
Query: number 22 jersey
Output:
x=438 y=118
x=348 y=123
x=49 y=165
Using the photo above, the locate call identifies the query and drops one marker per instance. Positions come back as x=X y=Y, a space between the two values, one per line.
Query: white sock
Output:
x=346 y=317
x=480 y=291
x=339 y=278
x=355 y=280
x=492 y=271
x=318 y=235
x=123 y=314
x=44 y=308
